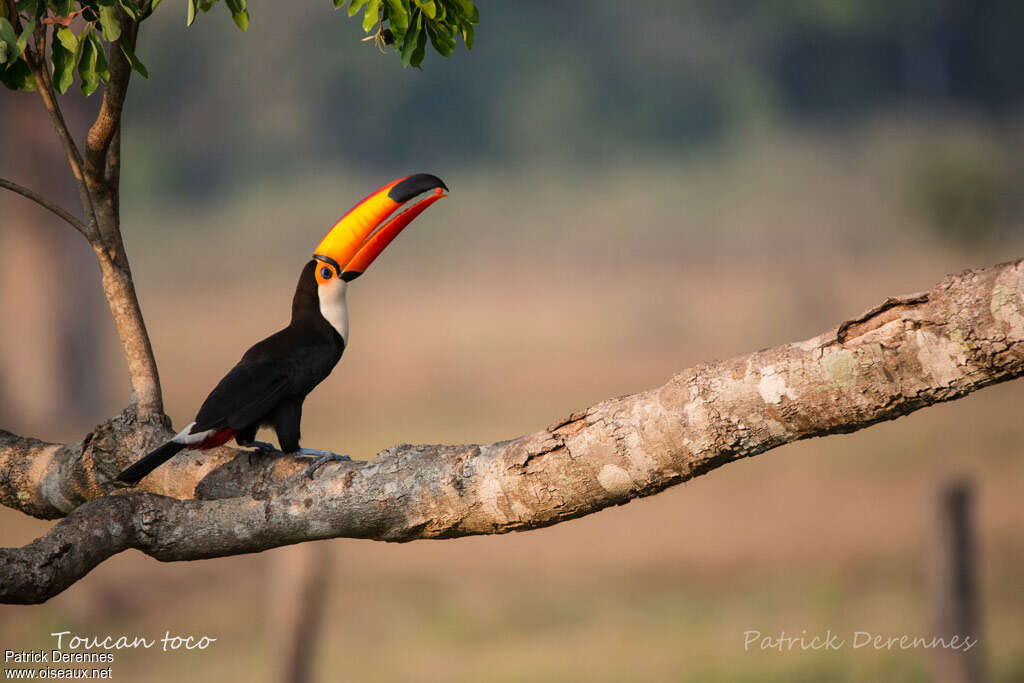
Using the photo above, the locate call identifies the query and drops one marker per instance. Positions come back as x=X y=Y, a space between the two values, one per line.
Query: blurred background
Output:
x=636 y=188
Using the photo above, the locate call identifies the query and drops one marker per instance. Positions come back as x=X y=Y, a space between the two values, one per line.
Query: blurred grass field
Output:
x=531 y=293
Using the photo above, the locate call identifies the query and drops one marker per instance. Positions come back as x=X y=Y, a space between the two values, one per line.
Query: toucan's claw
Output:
x=261 y=446
x=325 y=457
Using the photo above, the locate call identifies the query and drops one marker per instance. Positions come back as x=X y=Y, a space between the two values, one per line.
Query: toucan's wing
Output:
x=246 y=394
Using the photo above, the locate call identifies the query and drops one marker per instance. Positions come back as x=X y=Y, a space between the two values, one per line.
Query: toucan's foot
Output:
x=261 y=446
x=324 y=457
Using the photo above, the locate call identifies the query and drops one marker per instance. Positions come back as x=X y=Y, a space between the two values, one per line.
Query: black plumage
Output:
x=270 y=382
x=268 y=385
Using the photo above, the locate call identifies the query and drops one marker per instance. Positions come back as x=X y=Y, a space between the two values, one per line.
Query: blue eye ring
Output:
x=326 y=273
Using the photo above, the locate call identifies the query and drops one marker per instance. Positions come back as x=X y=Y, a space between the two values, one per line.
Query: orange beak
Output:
x=358 y=238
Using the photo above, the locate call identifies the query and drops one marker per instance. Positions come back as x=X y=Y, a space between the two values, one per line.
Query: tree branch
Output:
x=966 y=333
x=98 y=189
x=37 y=63
x=108 y=121
x=103 y=174
x=46 y=204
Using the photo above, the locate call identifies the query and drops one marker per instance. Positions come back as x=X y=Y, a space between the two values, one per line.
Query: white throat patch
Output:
x=333 y=305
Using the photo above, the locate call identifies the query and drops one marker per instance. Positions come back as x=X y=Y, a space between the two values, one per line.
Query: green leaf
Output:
x=87 y=65
x=411 y=38
x=25 y=34
x=239 y=13
x=33 y=8
x=7 y=35
x=63 y=8
x=338 y=4
x=17 y=76
x=440 y=39
x=14 y=45
x=101 y=57
x=398 y=16
x=130 y=8
x=371 y=16
x=355 y=6
x=468 y=37
x=429 y=8
x=110 y=23
x=5 y=50
x=68 y=39
x=420 y=51
x=63 y=53
x=129 y=54
x=3 y=10
x=468 y=10
x=190 y=14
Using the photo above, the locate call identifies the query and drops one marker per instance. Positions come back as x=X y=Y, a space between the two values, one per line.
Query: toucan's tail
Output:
x=150 y=462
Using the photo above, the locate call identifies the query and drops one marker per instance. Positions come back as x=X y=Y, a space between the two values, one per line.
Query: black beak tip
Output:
x=414 y=185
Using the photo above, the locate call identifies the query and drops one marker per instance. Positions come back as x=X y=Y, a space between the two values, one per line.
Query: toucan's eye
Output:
x=326 y=273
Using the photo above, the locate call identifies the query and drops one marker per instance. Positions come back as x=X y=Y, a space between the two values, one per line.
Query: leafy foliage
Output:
x=14 y=70
x=408 y=24
x=82 y=32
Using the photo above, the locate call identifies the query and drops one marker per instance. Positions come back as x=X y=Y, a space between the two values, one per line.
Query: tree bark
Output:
x=119 y=289
x=964 y=334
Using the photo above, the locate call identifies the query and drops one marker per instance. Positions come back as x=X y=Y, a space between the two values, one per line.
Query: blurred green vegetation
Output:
x=967 y=187
x=582 y=83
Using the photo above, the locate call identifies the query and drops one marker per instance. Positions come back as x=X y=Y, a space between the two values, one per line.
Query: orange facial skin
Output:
x=320 y=271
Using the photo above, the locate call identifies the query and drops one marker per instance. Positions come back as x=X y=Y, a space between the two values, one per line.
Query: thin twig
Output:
x=46 y=204
x=108 y=122
x=130 y=30
x=37 y=62
x=120 y=73
x=12 y=7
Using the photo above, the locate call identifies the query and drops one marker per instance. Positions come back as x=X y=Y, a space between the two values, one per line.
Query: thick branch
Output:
x=103 y=173
x=119 y=289
x=46 y=204
x=964 y=334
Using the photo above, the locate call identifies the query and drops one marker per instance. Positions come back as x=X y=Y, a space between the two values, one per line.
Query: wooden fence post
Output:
x=954 y=584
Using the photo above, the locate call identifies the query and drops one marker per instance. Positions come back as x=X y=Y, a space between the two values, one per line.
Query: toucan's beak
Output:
x=355 y=240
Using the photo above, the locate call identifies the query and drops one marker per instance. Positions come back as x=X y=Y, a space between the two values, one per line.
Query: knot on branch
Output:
x=115 y=443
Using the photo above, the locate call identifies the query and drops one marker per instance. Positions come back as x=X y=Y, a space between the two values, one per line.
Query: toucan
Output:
x=273 y=378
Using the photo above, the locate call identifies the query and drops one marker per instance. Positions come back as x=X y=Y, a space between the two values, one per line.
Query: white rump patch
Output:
x=188 y=439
